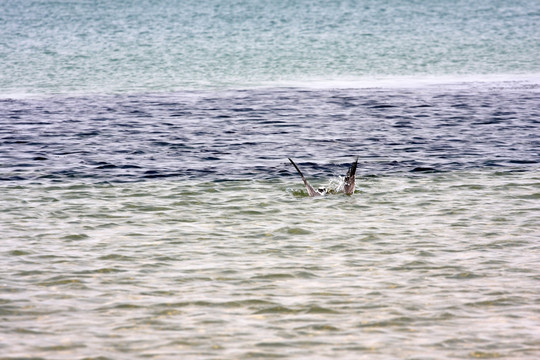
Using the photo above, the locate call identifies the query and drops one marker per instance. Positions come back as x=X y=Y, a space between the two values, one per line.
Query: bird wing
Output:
x=350 y=178
x=311 y=191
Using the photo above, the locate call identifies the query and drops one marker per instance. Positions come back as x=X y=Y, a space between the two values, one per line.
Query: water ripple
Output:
x=244 y=135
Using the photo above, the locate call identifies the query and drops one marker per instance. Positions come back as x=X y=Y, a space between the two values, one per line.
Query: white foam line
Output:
x=393 y=82
x=363 y=82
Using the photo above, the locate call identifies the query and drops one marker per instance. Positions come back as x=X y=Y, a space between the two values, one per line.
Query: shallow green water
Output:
x=441 y=265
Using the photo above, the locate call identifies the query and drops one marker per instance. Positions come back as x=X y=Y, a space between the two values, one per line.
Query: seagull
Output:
x=348 y=186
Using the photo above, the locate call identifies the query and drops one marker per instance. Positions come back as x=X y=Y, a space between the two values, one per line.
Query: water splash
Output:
x=333 y=186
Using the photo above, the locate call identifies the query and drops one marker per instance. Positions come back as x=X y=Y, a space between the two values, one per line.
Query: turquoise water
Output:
x=139 y=46
x=148 y=209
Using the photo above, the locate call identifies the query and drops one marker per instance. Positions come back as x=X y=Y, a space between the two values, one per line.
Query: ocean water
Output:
x=96 y=46
x=148 y=209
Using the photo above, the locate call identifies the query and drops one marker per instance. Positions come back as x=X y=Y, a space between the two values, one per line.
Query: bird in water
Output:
x=348 y=182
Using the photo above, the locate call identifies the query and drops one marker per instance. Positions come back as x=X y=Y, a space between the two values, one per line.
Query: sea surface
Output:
x=148 y=209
